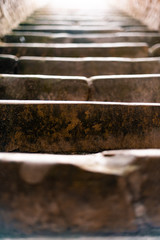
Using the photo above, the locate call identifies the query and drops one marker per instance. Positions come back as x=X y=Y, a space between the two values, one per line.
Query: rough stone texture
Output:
x=67 y=199
x=8 y=63
x=125 y=88
x=144 y=185
x=29 y=37
x=109 y=192
x=76 y=50
x=12 y=12
x=40 y=126
x=145 y=10
x=87 y=66
x=20 y=87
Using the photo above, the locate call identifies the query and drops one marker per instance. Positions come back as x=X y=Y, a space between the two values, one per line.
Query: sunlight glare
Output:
x=81 y=4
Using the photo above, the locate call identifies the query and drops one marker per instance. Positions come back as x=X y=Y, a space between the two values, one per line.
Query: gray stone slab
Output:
x=8 y=63
x=125 y=88
x=76 y=50
x=69 y=127
x=28 y=87
x=87 y=66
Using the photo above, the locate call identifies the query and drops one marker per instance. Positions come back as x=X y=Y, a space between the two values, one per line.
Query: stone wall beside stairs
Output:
x=148 y=11
x=12 y=12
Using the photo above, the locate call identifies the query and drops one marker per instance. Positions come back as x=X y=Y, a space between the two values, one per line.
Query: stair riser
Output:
x=30 y=38
x=135 y=50
x=69 y=128
x=83 y=30
x=87 y=68
x=131 y=88
x=43 y=88
x=67 y=200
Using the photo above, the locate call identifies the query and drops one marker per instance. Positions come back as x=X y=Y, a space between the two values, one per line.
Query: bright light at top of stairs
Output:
x=79 y=4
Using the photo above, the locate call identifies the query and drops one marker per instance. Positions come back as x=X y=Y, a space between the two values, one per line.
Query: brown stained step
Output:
x=87 y=66
x=69 y=127
x=116 y=192
x=44 y=195
x=70 y=29
x=8 y=63
x=121 y=88
x=22 y=37
x=27 y=87
x=125 y=88
x=143 y=183
x=76 y=50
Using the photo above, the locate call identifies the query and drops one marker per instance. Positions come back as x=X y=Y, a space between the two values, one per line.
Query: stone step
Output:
x=70 y=29
x=121 y=88
x=125 y=88
x=33 y=87
x=149 y=38
x=80 y=23
x=8 y=63
x=102 y=185
x=78 y=17
x=94 y=21
x=87 y=66
x=76 y=50
x=77 y=127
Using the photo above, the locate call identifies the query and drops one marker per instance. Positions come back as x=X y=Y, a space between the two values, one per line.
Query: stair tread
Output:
x=76 y=50
x=150 y=38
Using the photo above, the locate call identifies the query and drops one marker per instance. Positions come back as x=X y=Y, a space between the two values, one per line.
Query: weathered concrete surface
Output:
x=8 y=63
x=117 y=192
x=76 y=50
x=29 y=87
x=69 y=127
x=87 y=66
x=125 y=88
x=70 y=29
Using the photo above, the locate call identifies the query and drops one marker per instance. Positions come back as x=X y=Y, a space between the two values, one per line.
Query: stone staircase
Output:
x=80 y=127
